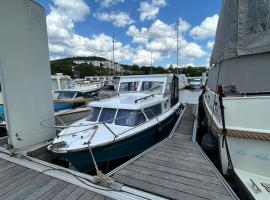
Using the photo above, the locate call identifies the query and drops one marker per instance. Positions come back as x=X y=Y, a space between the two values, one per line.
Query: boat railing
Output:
x=105 y=123
x=144 y=98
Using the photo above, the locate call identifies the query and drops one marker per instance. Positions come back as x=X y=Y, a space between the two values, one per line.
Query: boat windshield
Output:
x=129 y=117
x=107 y=115
x=94 y=113
x=153 y=111
x=128 y=86
x=152 y=87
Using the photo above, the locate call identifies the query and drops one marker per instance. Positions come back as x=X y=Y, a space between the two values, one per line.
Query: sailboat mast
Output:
x=113 y=58
x=177 y=43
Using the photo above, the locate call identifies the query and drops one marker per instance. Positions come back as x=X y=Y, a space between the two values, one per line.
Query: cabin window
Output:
x=153 y=111
x=107 y=115
x=129 y=117
x=54 y=84
x=93 y=115
x=128 y=86
x=152 y=86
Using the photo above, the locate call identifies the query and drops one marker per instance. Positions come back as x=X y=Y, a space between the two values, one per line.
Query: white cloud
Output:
x=65 y=42
x=76 y=10
x=139 y=36
x=192 y=50
x=149 y=11
x=120 y=19
x=109 y=3
x=183 y=25
x=160 y=38
x=143 y=57
x=210 y=44
x=206 y=29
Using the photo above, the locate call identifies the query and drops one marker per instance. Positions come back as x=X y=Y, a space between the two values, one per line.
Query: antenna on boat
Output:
x=177 y=43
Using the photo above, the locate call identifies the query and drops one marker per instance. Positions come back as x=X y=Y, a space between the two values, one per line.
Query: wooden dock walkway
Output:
x=18 y=182
x=176 y=169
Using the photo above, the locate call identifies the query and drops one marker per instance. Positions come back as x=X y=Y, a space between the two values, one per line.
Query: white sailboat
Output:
x=236 y=102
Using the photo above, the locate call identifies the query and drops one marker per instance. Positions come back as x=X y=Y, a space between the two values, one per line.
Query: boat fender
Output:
x=209 y=143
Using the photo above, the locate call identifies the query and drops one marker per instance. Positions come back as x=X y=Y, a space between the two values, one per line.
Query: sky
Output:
x=144 y=31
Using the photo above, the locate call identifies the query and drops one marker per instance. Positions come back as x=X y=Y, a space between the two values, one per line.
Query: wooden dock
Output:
x=176 y=168
x=18 y=182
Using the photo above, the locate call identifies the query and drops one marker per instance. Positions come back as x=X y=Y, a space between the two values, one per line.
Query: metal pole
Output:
x=113 y=58
x=177 y=43
x=151 y=62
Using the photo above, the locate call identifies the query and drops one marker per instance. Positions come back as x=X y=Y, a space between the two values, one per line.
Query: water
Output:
x=189 y=96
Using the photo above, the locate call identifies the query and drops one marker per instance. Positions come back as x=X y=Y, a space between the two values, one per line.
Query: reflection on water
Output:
x=189 y=96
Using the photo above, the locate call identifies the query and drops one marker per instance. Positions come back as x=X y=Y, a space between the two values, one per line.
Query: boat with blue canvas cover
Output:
x=137 y=117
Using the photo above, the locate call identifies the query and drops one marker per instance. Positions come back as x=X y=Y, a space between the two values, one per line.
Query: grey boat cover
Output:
x=243 y=29
x=241 y=54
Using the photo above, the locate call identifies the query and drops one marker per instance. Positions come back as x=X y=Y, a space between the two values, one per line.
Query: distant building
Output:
x=79 y=62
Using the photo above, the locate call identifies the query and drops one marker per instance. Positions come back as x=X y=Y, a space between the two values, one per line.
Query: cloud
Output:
x=206 y=29
x=139 y=36
x=120 y=19
x=65 y=42
x=143 y=57
x=160 y=39
x=109 y=3
x=192 y=50
x=76 y=10
x=149 y=11
x=210 y=44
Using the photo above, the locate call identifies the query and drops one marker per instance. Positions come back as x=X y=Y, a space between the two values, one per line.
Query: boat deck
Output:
x=176 y=168
x=19 y=182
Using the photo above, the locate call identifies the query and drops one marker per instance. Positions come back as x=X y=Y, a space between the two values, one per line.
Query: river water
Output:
x=189 y=96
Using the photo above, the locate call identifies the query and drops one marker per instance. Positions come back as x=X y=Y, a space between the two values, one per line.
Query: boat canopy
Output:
x=243 y=29
x=241 y=54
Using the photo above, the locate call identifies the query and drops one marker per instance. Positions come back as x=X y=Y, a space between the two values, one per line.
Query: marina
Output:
x=95 y=127
x=175 y=168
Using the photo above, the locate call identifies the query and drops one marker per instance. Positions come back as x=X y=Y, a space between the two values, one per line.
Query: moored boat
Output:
x=235 y=105
x=138 y=116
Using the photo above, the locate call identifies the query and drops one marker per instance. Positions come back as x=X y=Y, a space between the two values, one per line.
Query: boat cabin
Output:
x=151 y=96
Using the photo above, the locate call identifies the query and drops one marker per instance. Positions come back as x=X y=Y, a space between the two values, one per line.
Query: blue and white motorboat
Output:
x=141 y=114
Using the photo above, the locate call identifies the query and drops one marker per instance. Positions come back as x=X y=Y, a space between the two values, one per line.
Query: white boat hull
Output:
x=248 y=138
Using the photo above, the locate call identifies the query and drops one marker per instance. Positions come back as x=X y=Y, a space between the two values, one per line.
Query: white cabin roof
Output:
x=127 y=101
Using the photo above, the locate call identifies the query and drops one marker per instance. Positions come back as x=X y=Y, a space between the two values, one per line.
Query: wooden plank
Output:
x=180 y=152
x=54 y=191
x=173 y=185
x=181 y=164
x=11 y=172
x=195 y=151
x=157 y=189
x=45 y=188
x=20 y=191
x=5 y=166
x=172 y=170
x=88 y=195
x=180 y=179
x=65 y=192
x=179 y=156
x=99 y=197
x=76 y=194
x=15 y=182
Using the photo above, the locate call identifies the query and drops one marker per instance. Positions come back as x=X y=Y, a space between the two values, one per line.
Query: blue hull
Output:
x=128 y=147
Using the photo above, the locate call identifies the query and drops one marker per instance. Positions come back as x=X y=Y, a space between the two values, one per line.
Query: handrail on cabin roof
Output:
x=152 y=95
